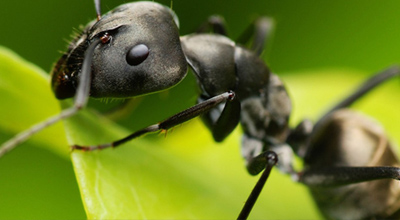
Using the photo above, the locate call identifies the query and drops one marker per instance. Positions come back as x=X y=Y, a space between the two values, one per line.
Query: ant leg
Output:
x=215 y=23
x=344 y=154
x=260 y=31
x=81 y=98
x=265 y=160
x=338 y=176
x=170 y=122
x=299 y=136
x=348 y=148
x=223 y=119
x=366 y=87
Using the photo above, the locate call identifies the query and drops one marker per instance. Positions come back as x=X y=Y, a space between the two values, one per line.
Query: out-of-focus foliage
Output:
x=312 y=40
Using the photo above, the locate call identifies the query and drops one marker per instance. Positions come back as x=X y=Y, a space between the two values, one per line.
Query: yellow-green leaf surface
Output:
x=26 y=99
x=187 y=175
x=36 y=178
x=183 y=174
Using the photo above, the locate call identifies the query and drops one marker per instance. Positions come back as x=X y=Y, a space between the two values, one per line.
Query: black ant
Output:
x=136 y=49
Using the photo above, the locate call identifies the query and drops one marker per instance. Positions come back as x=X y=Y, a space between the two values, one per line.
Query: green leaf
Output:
x=36 y=178
x=185 y=174
x=26 y=99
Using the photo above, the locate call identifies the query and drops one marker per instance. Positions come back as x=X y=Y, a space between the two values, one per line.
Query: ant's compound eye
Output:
x=105 y=38
x=137 y=54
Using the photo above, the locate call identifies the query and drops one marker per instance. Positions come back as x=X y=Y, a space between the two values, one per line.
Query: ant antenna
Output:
x=98 y=9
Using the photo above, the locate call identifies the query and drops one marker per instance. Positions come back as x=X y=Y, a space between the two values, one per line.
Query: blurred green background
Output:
x=309 y=35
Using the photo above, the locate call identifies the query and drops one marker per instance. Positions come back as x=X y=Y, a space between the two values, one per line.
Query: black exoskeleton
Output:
x=136 y=49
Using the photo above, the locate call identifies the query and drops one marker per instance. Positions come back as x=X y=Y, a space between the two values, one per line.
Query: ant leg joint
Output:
x=231 y=95
x=267 y=159
x=272 y=158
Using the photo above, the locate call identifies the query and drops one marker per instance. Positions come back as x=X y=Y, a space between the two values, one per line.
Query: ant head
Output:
x=139 y=53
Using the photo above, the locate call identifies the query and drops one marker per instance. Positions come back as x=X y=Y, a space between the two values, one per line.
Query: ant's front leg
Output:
x=81 y=98
x=168 y=123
